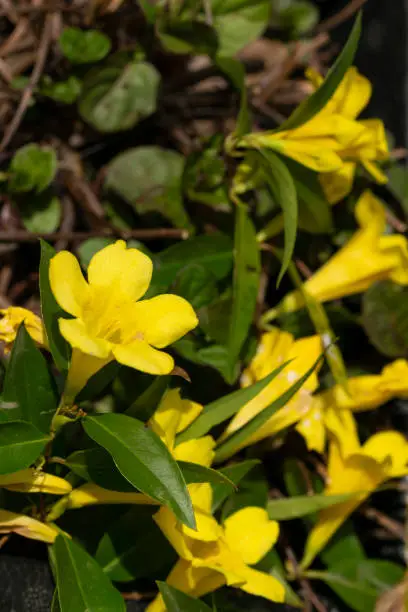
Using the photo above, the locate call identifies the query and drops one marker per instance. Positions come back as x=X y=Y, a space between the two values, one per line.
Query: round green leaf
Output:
x=116 y=98
x=32 y=168
x=83 y=47
x=40 y=213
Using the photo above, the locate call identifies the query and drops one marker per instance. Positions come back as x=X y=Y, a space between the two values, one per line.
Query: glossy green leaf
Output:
x=116 y=97
x=282 y=187
x=144 y=406
x=361 y=583
x=385 y=319
x=28 y=383
x=193 y=472
x=197 y=285
x=294 y=507
x=32 y=168
x=51 y=311
x=312 y=105
x=224 y=408
x=40 y=212
x=149 y=179
x=96 y=465
x=247 y=270
x=253 y=490
x=235 y=472
x=82 y=585
x=213 y=252
x=20 y=445
x=84 y=46
x=236 y=439
x=129 y=548
x=143 y=460
x=177 y=601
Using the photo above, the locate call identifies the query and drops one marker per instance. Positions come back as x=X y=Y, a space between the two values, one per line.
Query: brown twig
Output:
x=310 y=595
x=142 y=234
x=397 y=529
x=28 y=91
x=345 y=13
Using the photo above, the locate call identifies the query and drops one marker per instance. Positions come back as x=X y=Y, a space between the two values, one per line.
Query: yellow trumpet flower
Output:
x=275 y=348
x=333 y=142
x=331 y=411
x=383 y=456
x=367 y=257
x=110 y=322
x=216 y=555
x=26 y=526
x=11 y=320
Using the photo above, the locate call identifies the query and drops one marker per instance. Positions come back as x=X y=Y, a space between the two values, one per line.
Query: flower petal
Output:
x=126 y=271
x=75 y=332
x=250 y=532
x=199 y=451
x=141 y=356
x=68 y=285
x=263 y=585
x=162 y=320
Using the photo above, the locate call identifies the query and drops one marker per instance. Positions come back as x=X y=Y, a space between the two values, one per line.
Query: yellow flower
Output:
x=34 y=481
x=333 y=141
x=110 y=323
x=11 y=321
x=331 y=411
x=27 y=527
x=383 y=456
x=275 y=348
x=367 y=257
x=172 y=416
x=216 y=555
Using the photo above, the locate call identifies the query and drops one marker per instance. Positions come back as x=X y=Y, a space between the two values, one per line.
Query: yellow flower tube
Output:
x=367 y=257
x=383 y=456
x=12 y=522
x=215 y=554
x=110 y=321
x=35 y=481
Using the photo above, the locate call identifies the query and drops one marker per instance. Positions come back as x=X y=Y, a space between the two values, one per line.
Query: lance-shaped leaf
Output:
x=143 y=460
x=177 y=601
x=20 y=445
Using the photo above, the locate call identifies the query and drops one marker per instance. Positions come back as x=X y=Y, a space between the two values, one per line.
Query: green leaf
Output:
x=344 y=545
x=189 y=37
x=129 y=548
x=298 y=18
x=315 y=212
x=116 y=97
x=177 y=601
x=235 y=473
x=283 y=190
x=193 y=472
x=247 y=269
x=197 y=285
x=360 y=583
x=66 y=92
x=253 y=491
x=224 y=408
x=149 y=9
x=235 y=72
x=385 y=319
x=51 y=312
x=82 y=585
x=40 y=213
x=238 y=23
x=236 y=439
x=144 y=406
x=84 y=46
x=96 y=465
x=312 y=105
x=55 y=606
x=213 y=252
x=20 y=445
x=295 y=507
x=29 y=384
x=143 y=460
x=32 y=168
x=149 y=179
